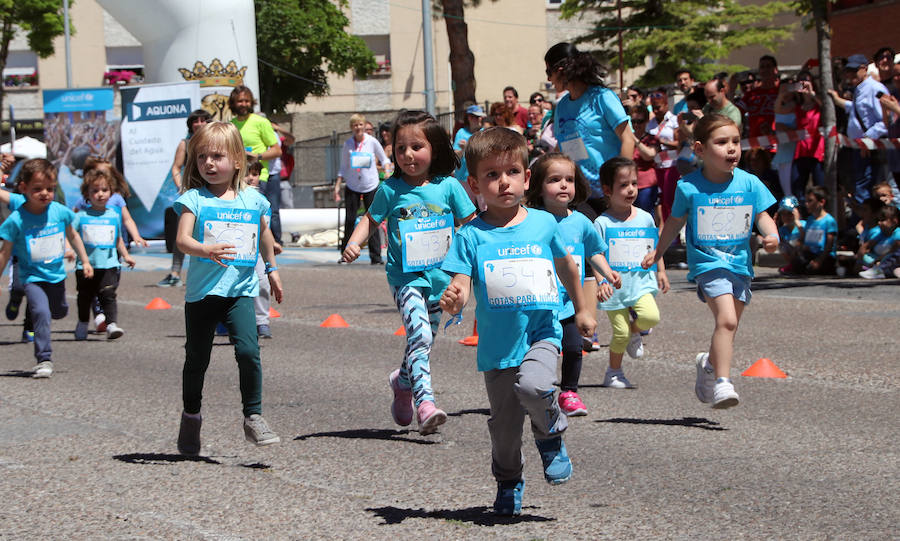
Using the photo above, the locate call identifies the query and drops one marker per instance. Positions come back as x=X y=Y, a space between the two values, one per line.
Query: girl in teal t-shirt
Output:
x=422 y=205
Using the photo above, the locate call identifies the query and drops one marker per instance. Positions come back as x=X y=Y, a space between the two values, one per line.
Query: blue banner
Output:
x=82 y=99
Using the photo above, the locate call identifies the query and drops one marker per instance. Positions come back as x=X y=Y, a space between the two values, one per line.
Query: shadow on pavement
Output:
x=482 y=516
x=460 y=413
x=690 y=422
x=369 y=434
x=16 y=373
x=162 y=458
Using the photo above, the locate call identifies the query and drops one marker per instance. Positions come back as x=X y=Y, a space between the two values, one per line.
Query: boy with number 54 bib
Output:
x=510 y=255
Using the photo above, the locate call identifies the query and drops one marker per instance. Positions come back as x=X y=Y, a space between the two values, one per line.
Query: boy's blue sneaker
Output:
x=509 y=497
x=557 y=466
x=28 y=336
x=221 y=330
x=12 y=307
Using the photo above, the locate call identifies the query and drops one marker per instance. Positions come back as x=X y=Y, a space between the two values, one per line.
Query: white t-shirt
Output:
x=358 y=165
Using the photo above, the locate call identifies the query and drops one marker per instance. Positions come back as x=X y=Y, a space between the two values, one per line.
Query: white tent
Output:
x=27 y=147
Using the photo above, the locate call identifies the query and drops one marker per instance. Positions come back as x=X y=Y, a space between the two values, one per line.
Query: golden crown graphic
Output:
x=216 y=74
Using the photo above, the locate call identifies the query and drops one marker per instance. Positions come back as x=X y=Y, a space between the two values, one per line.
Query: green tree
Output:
x=676 y=34
x=299 y=42
x=40 y=20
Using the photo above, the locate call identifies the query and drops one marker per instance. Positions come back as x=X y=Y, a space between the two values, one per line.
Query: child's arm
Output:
x=662 y=279
x=178 y=163
x=457 y=293
x=598 y=261
x=123 y=251
x=78 y=246
x=670 y=230
x=361 y=233
x=267 y=250
x=186 y=242
x=767 y=227
x=132 y=229
x=466 y=220
x=5 y=253
x=568 y=274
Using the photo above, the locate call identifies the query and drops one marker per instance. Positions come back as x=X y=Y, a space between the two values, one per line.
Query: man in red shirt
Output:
x=511 y=99
x=760 y=100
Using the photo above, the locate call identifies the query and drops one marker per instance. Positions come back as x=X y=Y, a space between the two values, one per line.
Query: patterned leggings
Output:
x=420 y=319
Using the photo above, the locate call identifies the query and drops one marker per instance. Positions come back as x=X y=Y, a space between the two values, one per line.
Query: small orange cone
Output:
x=334 y=320
x=471 y=340
x=157 y=304
x=273 y=313
x=764 y=368
x=400 y=331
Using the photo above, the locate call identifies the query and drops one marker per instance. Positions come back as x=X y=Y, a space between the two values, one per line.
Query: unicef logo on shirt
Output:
x=536 y=249
x=739 y=199
x=442 y=222
x=248 y=217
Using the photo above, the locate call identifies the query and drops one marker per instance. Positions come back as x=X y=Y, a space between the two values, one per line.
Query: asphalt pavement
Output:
x=90 y=452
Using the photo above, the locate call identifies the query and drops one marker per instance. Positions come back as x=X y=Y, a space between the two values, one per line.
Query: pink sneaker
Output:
x=571 y=404
x=430 y=418
x=401 y=407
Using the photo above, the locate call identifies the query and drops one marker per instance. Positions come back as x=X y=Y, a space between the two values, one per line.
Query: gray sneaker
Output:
x=43 y=369
x=257 y=431
x=635 y=347
x=189 y=434
x=706 y=378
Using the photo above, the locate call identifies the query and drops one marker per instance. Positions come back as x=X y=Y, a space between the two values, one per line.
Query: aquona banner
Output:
x=154 y=121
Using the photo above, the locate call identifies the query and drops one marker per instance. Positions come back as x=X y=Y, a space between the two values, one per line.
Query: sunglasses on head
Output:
x=657 y=95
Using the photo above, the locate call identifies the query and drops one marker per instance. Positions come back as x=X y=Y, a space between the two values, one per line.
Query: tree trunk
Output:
x=462 y=61
x=823 y=39
x=6 y=35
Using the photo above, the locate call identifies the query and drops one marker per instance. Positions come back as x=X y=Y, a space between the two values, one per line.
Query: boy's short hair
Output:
x=357 y=118
x=255 y=167
x=889 y=212
x=881 y=185
x=495 y=141
x=818 y=192
x=37 y=166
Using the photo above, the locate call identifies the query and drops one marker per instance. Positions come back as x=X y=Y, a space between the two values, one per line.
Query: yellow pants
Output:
x=647 y=317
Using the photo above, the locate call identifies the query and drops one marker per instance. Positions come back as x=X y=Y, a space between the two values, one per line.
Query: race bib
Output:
x=815 y=238
x=577 y=253
x=574 y=148
x=47 y=245
x=238 y=227
x=98 y=232
x=628 y=246
x=518 y=277
x=425 y=241
x=722 y=219
x=360 y=160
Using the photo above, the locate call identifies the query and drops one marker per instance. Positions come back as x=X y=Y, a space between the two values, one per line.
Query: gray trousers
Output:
x=46 y=301
x=261 y=303
x=529 y=387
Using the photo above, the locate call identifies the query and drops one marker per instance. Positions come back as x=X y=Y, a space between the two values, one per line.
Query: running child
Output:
x=718 y=203
x=222 y=226
x=629 y=233
x=557 y=186
x=421 y=203
x=36 y=234
x=99 y=227
x=511 y=256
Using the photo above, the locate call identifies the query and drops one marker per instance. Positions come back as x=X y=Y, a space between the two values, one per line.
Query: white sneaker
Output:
x=113 y=331
x=635 y=347
x=706 y=378
x=616 y=379
x=723 y=395
x=43 y=369
x=100 y=322
x=81 y=330
x=874 y=273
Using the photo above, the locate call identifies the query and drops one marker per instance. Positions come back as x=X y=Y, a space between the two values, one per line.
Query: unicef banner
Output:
x=154 y=121
x=78 y=124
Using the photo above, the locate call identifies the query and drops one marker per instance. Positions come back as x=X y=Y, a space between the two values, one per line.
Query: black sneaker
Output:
x=189 y=434
x=263 y=331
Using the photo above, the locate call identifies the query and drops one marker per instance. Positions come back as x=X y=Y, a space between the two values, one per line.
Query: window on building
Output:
x=554 y=4
x=124 y=65
x=380 y=44
x=20 y=70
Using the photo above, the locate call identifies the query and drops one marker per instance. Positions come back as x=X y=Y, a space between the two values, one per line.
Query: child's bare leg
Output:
x=615 y=360
x=727 y=313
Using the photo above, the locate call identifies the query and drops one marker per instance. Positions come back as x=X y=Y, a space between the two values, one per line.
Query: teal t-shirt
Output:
x=883 y=246
x=16 y=200
x=420 y=224
x=720 y=219
x=816 y=232
x=628 y=242
x=791 y=234
x=39 y=242
x=582 y=242
x=514 y=283
x=238 y=222
x=99 y=231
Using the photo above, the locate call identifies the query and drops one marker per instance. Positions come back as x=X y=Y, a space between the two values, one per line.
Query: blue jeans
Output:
x=46 y=301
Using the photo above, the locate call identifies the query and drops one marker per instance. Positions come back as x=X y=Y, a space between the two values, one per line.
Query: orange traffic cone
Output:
x=334 y=320
x=400 y=331
x=157 y=304
x=273 y=313
x=764 y=368
x=471 y=340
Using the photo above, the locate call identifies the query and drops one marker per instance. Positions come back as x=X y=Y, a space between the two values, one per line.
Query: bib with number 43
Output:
x=518 y=276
